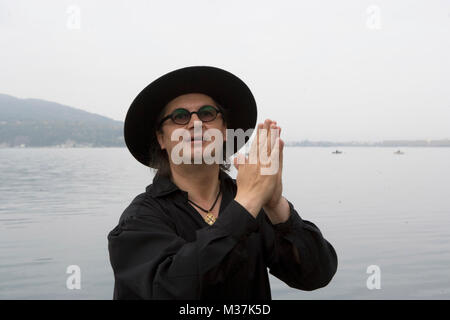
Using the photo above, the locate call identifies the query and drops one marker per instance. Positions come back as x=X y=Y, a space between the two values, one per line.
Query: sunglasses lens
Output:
x=207 y=113
x=181 y=116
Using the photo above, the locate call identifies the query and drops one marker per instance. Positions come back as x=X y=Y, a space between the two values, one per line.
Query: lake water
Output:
x=376 y=208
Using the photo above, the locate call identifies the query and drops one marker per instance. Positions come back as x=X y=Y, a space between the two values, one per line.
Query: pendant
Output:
x=210 y=219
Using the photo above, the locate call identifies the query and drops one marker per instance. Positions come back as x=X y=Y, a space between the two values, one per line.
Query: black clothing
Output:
x=163 y=249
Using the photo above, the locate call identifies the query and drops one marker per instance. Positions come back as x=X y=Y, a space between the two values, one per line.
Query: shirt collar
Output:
x=162 y=185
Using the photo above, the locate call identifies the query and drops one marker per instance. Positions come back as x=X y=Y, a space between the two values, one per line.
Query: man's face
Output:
x=190 y=102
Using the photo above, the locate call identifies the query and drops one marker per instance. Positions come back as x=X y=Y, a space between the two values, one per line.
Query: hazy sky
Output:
x=325 y=70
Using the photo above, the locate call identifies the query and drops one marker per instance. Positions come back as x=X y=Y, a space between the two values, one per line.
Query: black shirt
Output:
x=163 y=249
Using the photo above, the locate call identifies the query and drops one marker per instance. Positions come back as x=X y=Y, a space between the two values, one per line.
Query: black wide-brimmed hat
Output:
x=225 y=88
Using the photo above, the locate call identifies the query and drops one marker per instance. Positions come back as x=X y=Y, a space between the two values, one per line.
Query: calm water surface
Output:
x=376 y=208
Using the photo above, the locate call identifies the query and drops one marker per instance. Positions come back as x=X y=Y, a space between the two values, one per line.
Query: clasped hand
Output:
x=259 y=178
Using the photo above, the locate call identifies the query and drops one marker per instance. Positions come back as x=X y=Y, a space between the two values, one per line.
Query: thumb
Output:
x=235 y=162
x=238 y=160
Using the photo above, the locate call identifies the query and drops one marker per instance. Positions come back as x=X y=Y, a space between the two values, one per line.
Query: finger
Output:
x=268 y=126
x=255 y=140
x=236 y=163
x=276 y=149
x=254 y=146
x=281 y=154
x=274 y=133
x=263 y=154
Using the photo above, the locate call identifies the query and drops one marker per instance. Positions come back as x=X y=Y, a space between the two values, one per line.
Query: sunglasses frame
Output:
x=171 y=116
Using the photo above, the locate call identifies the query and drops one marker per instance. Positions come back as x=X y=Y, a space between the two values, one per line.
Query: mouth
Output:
x=200 y=138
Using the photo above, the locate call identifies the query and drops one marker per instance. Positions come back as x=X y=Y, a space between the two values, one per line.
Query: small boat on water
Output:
x=399 y=152
x=337 y=152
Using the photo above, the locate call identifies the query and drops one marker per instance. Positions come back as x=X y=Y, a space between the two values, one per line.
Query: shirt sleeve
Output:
x=314 y=263
x=150 y=261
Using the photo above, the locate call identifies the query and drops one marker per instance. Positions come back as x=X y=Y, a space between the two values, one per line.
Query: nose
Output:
x=194 y=117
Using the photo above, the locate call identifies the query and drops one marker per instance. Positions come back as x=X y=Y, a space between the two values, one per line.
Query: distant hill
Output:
x=39 y=123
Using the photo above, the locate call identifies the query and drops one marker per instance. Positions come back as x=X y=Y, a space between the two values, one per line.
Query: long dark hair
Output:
x=159 y=159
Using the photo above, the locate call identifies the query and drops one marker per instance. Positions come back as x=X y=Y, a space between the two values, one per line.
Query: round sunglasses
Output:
x=182 y=116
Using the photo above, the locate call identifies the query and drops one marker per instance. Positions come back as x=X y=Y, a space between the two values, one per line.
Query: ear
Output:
x=160 y=137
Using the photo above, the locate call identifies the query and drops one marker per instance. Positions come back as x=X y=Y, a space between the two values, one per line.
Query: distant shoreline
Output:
x=384 y=143
x=442 y=143
x=289 y=146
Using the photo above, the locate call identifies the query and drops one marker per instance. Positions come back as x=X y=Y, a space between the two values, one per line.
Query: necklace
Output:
x=209 y=218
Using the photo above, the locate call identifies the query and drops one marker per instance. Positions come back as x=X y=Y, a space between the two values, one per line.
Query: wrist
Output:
x=274 y=206
x=252 y=205
x=278 y=213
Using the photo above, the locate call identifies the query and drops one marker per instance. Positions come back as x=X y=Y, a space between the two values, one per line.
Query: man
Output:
x=196 y=233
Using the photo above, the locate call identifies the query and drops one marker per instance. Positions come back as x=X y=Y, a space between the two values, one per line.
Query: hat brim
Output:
x=224 y=87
